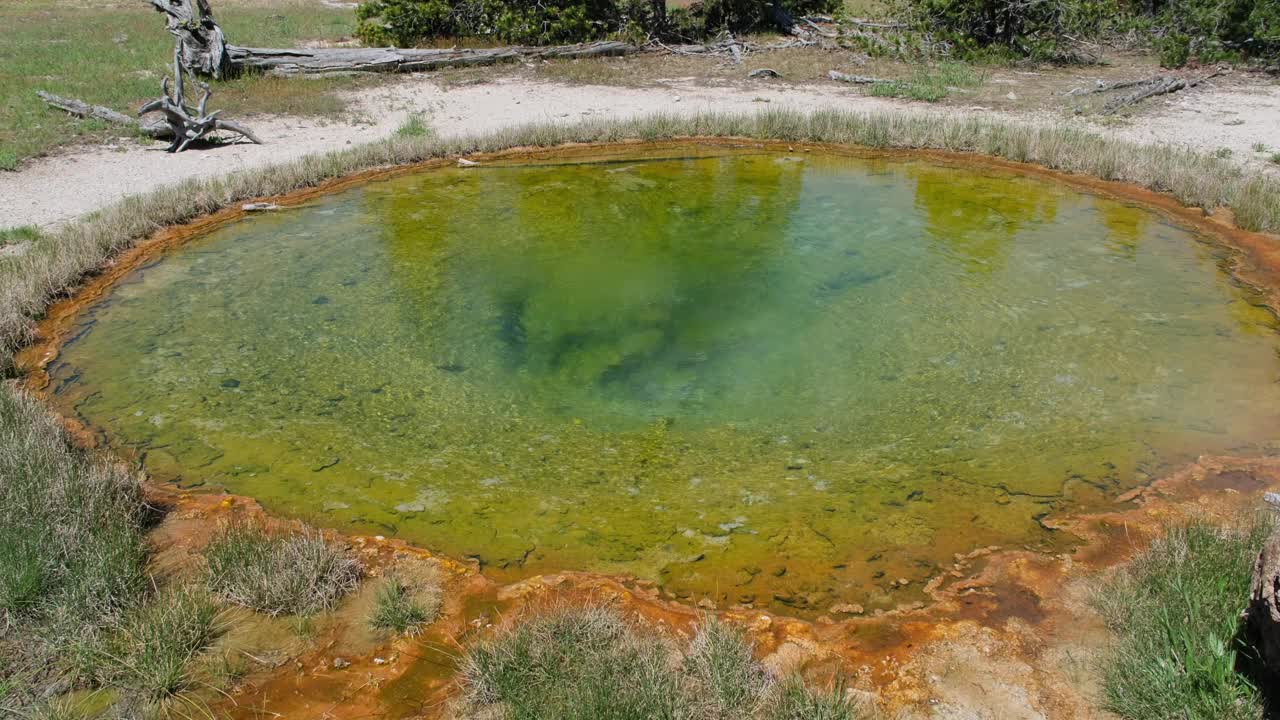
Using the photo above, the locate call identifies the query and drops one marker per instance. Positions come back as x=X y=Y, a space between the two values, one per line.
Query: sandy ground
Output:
x=55 y=190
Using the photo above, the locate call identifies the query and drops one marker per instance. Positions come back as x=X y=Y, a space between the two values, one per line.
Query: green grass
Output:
x=13 y=236
x=117 y=56
x=404 y=607
x=795 y=701
x=580 y=663
x=278 y=573
x=150 y=655
x=1275 y=158
x=416 y=126
x=1175 y=611
x=931 y=84
x=72 y=550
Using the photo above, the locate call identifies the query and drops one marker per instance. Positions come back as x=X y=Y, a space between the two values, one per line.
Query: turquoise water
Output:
x=765 y=378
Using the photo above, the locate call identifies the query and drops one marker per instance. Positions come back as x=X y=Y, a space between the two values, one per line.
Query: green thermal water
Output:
x=756 y=378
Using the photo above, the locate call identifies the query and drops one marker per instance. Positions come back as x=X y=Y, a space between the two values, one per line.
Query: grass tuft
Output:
x=24 y=233
x=930 y=84
x=404 y=607
x=796 y=701
x=1175 y=610
x=575 y=663
x=150 y=654
x=416 y=126
x=278 y=573
x=719 y=660
x=571 y=664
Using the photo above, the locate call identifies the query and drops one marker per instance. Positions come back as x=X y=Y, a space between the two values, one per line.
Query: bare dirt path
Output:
x=55 y=190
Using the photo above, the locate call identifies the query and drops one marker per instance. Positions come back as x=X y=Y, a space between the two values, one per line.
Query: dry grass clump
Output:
x=1175 y=610
x=58 y=260
x=404 y=604
x=580 y=663
x=150 y=654
x=279 y=573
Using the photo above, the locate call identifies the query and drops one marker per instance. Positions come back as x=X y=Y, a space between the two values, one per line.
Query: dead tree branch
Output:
x=855 y=79
x=159 y=131
x=1152 y=87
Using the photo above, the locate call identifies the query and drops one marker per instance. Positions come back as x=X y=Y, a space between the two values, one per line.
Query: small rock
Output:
x=341 y=663
x=379 y=661
x=259 y=207
x=764 y=73
x=1012 y=96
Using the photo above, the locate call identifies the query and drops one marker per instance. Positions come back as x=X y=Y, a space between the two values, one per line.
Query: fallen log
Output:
x=1157 y=86
x=299 y=61
x=1151 y=87
x=855 y=79
x=157 y=130
x=819 y=30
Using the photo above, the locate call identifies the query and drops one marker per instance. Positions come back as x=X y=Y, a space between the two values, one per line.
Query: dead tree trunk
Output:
x=199 y=49
x=201 y=44
x=1264 y=604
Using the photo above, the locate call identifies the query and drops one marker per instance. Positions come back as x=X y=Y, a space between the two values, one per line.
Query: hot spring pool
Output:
x=763 y=378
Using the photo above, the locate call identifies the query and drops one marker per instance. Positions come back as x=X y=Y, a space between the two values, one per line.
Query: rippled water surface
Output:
x=755 y=378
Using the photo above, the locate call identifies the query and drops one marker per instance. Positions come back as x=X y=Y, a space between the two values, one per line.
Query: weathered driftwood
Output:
x=855 y=79
x=159 y=130
x=298 y=61
x=734 y=48
x=1263 y=612
x=818 y=29
x=181 y=125
x=1151 y=87
x=1142 y=91
x=201 y=42
x=187 y=126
